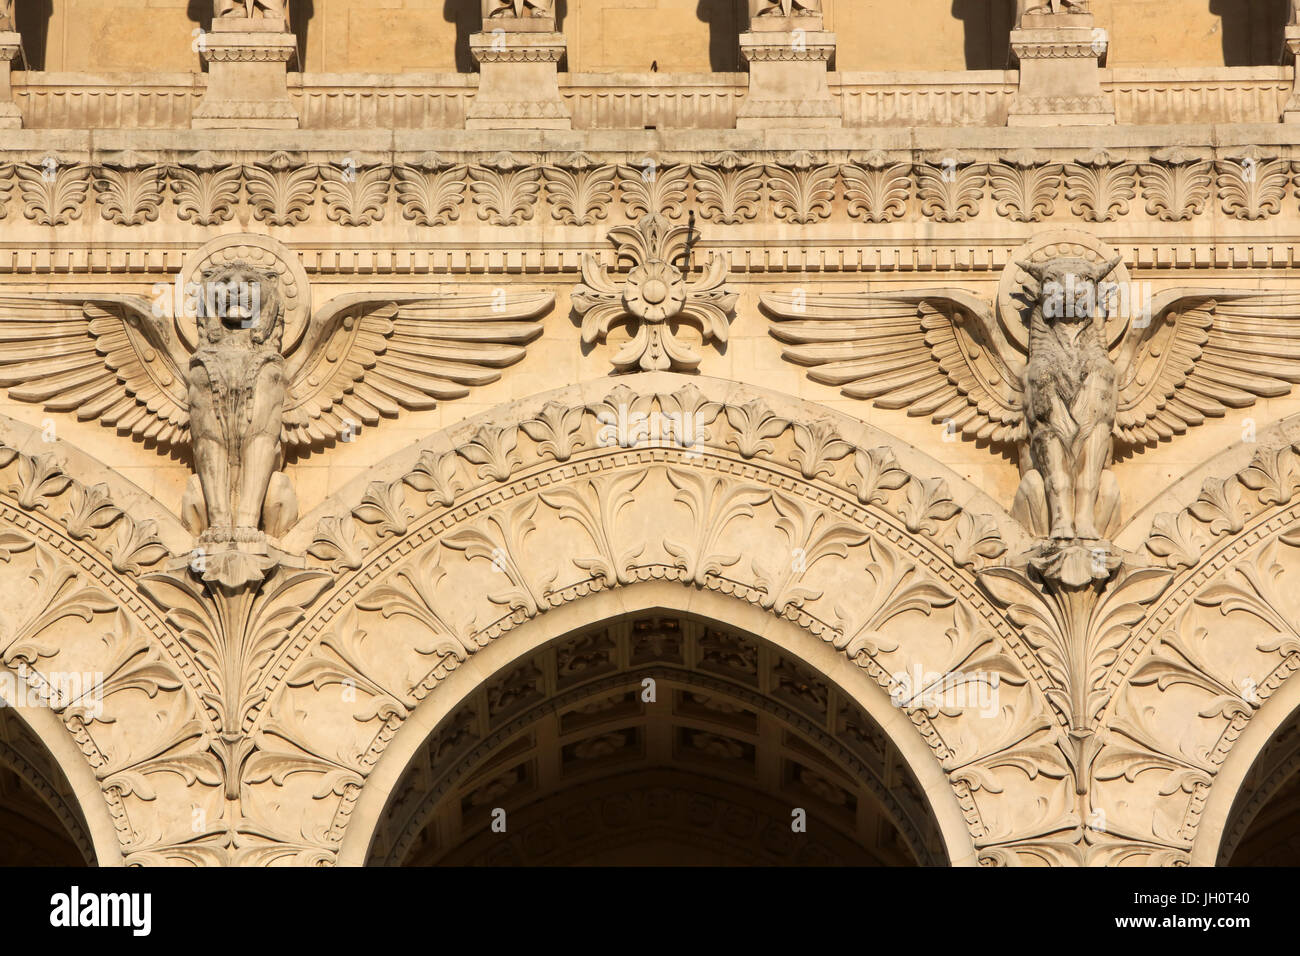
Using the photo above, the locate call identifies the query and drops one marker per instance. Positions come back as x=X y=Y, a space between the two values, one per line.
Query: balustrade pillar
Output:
x=248 y=52
x=518 y=54
x=11 y=48
x=1059 y=50
x=1291 y=54
x=788 y=52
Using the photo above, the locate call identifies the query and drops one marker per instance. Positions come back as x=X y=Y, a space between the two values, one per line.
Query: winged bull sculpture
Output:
x=240 y=396
x=1065 y=382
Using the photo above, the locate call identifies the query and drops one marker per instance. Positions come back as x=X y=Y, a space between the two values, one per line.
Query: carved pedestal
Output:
x=248 y=87
x=788 y=59
x=519 y=87
x=10 y=49
x=1291 y=112
x=1060 y=72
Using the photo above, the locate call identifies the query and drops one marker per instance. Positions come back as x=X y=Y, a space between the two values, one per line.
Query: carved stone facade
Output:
x=649 y=455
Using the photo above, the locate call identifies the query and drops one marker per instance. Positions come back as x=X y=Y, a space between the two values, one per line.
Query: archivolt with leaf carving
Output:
x=748 y=495
x=73 y=557
x=1208 y=657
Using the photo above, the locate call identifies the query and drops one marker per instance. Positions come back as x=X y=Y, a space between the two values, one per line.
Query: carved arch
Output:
x=96 y=677
x=1205 y=687
x=50 y=765
x=592 y=494
x=522 y=512
x=1265 y=750
x=639 y=599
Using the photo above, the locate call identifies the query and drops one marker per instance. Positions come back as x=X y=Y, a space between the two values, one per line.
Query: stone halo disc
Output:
x=1013 y=313
x=265 y=253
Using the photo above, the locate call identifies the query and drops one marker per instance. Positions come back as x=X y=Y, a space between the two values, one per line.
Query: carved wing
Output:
x=107 y=358
x=364 y=358
x=1203 y=352
x=937 y=352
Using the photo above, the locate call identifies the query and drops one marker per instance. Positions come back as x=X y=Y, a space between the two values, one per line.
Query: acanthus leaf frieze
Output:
x=583 y=189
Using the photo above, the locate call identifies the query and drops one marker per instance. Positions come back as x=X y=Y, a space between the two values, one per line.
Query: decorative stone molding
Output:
x=83 y=556
x=1097 y=830
x=607 y=453
x=869 y=101
x=1187 y=697
x=1077 y=684
x=247 y=84
x=1009 y=680
x=1074 y=593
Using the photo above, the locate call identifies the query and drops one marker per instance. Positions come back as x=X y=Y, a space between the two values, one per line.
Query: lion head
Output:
x=239 y=296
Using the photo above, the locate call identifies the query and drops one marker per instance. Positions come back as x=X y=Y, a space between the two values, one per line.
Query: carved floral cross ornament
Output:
x=655 y=296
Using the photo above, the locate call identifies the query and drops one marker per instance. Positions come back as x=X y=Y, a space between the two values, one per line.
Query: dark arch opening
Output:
x=40 y=822
x=1264 y=824
x=658 y=738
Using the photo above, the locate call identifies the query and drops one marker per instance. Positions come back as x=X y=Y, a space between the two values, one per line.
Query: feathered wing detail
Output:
x=364 y=358
x=938 y=353
x=105 y=358
x=1203 y=352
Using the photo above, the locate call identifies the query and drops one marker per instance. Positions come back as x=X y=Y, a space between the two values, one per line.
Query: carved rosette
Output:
x=655 y=293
